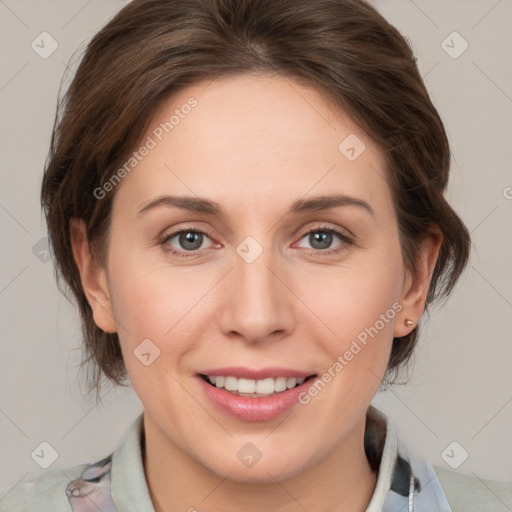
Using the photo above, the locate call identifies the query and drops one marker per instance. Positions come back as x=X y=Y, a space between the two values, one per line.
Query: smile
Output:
x=253 y=395
x=252 y=387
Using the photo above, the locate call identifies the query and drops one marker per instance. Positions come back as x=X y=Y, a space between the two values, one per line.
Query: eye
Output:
x=321 y=239
x=191 y=241
x=187 y=240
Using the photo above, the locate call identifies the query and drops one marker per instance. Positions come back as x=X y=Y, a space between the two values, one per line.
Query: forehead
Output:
x=259 y=136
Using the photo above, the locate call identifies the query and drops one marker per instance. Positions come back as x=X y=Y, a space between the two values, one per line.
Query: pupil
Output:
x=190 y=237
x=323 y=238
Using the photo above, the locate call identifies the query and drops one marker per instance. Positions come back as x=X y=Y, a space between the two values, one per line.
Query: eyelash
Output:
x=347 y=241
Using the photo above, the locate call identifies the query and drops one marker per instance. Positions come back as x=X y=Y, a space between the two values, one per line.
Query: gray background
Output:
x=461 y=385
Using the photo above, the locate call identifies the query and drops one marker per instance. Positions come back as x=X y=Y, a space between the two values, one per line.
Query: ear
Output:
x=93 y=277
x=415 y=289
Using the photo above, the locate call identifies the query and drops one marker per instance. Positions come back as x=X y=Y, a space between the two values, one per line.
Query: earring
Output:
x=408 y=322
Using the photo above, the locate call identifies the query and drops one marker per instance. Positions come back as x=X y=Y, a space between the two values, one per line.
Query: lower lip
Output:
x=253 y=409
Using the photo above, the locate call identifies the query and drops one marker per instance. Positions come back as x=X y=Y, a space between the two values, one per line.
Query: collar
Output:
x=405 y=482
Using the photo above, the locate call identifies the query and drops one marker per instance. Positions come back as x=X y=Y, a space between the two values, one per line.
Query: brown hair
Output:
x=153 y=48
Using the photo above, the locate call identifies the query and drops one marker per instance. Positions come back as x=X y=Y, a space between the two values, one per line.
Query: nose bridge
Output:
x=258 y=304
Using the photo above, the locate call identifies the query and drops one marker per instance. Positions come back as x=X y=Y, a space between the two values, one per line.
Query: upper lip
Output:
x=255 y=374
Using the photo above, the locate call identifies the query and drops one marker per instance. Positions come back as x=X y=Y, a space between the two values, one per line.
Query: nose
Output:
x=258 y=305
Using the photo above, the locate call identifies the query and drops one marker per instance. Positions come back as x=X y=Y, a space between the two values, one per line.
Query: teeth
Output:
x=247 y=386
x=280 y=384
x=265 y=386
x=255 y=387
x=231 y=384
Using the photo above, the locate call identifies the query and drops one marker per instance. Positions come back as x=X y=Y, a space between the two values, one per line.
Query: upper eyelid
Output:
x=344 y=237
x=339 y=232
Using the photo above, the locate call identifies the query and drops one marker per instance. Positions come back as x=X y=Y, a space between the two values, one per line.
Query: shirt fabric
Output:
x=117 y=483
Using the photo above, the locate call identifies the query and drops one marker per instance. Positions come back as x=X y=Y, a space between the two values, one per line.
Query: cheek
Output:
x=152 y=301
x=350 y=300
x=144 y=305
x=148 y=305
x=357 y=305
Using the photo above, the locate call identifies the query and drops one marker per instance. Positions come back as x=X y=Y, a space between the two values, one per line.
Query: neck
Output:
x=341 y=481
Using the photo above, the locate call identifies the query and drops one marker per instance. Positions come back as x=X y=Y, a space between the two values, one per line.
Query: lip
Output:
x=250 y=373
x=257 y=409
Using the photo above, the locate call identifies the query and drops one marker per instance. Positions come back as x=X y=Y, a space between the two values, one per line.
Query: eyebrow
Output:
x=198 y=204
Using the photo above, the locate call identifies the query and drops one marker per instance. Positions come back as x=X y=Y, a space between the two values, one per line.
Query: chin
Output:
x=263 y=471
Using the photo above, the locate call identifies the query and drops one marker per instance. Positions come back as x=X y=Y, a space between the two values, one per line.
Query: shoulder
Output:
x=466 y=493
x=83 y=488
x=86 y=487
x=46 y=492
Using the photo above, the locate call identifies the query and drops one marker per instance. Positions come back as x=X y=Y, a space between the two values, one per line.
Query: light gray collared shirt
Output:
x=117 y=483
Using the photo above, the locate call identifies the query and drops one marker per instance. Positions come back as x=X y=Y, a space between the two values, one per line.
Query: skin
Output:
x=255 y=144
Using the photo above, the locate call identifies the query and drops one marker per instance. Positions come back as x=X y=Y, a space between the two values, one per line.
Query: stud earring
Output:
x=408 y=322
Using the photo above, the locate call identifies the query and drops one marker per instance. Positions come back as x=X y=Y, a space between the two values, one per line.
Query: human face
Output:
x=265 y=292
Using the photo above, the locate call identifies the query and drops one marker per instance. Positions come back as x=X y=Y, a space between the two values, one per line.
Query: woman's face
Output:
x=259 y=288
